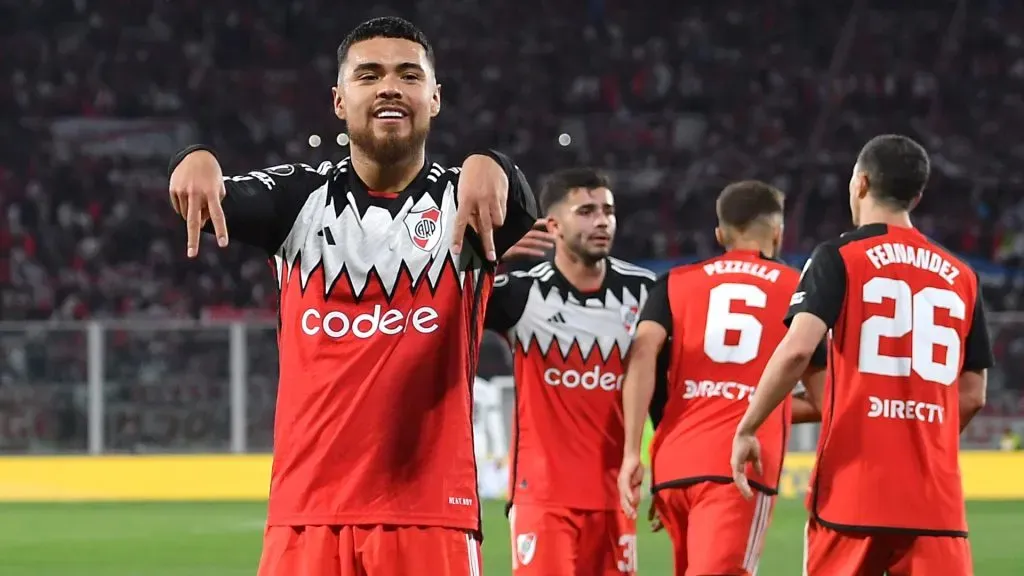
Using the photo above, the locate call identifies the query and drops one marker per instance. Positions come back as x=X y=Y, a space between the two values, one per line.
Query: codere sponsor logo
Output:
x=712 y=389
x=590 y=380
x=337 y=324
x=905 y=410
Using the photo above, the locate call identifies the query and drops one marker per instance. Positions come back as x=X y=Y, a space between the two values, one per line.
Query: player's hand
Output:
x=654 y=518
x=745 y=449
x=631 y=476
x=535 y=244
x=197 y=188
x=483 y=191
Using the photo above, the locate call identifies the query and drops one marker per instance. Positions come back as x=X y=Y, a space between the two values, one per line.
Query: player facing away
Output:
x=908 y=355
x=373 y=470
x=714 y=324
x=569 y=320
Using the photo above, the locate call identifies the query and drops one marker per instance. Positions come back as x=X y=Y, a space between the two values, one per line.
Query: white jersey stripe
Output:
x=630 y=269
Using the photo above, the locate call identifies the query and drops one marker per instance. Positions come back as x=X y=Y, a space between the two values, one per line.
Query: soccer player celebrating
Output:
x=381 y=313
x=908 y=356
x=569 y=320
x=714 y=324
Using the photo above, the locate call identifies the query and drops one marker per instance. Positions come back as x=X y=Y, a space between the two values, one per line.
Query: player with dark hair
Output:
x=908 y=357
x=382 y=296
x=569 y=320
x=704 y=337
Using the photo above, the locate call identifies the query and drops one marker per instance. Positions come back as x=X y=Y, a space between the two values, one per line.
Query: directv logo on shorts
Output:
x=712 y=389
x=905 y=410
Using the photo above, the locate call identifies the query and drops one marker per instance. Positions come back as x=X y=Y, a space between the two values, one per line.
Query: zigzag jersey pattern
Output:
x=569 y=351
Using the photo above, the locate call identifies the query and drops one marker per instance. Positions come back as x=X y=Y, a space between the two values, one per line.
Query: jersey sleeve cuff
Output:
x=185 y=152
x=520 y=194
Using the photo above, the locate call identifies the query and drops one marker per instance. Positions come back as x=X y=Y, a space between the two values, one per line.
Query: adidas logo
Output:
x=557 y=318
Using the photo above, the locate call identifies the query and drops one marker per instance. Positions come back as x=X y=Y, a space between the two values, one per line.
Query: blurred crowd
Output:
x=674 y=99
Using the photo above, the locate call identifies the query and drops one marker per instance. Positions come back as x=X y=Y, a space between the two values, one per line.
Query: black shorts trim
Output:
x=887 y=529
x=684 y=482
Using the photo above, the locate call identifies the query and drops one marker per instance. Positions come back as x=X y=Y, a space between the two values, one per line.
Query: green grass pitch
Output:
x=223 y=539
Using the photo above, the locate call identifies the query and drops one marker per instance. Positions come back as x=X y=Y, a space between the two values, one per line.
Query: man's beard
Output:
x=391 y=148
x=587 y=255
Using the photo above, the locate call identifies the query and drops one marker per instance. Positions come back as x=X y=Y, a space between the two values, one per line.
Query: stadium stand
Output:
x=674 y=106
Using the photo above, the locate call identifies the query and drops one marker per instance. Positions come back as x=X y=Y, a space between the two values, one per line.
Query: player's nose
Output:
x=389 y=90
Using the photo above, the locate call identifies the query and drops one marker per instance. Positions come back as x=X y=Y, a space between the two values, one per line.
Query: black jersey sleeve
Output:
x=520 y=207
x=508 y=300
x=260 y=206
x=977 y=346
x=822 y=287
x=819 y=358
x=657 y=308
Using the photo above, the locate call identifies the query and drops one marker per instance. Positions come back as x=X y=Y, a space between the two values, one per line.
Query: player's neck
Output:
x=584 y=276
x=749 y=245
x=882 y=215
x=394 y=177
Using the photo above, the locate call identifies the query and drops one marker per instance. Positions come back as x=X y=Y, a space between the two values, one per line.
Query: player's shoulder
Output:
x=293 y=176
x=836 y=252
x=539 y=272
x=631 y=274
x=952 y=258
x=441 y=175
x=835 y=246
x=683 y=270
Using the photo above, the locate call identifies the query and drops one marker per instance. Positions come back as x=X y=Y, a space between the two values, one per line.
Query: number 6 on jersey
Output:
x=721 y=320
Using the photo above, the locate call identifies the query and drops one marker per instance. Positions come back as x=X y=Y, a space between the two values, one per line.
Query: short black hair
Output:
x=385 y=27
x=557 y=185
x=897 y=168
x=744 y=203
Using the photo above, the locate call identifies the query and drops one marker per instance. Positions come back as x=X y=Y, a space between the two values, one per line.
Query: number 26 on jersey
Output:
x=913 y=313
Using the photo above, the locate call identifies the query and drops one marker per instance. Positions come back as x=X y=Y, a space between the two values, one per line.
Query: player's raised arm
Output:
x=257 y=208
x=652 y=332
x=496 y=200
x=813 y=310
x=978 y=359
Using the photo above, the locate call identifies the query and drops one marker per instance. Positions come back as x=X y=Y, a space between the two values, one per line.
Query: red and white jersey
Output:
x=380 y=327
x=906 y=319
x=724 y=319
x=570 y=349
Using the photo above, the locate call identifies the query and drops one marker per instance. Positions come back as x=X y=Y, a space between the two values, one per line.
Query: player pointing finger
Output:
x=196 y=190
x=482 y=193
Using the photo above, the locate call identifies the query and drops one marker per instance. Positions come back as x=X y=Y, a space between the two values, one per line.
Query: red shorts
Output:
x=566 y=541
x=831 y=553
x=368 y=551
x=714 y=530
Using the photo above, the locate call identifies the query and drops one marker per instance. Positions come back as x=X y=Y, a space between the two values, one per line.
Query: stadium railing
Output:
x=166 y=386
x=198 y=396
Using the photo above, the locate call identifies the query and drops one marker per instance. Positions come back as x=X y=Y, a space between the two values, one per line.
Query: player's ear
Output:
x=553 y=225
x=863 y=185
x=720 y=236
x=915 y=201
x=339 y=101
x=777 y=235
x=435 y=101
